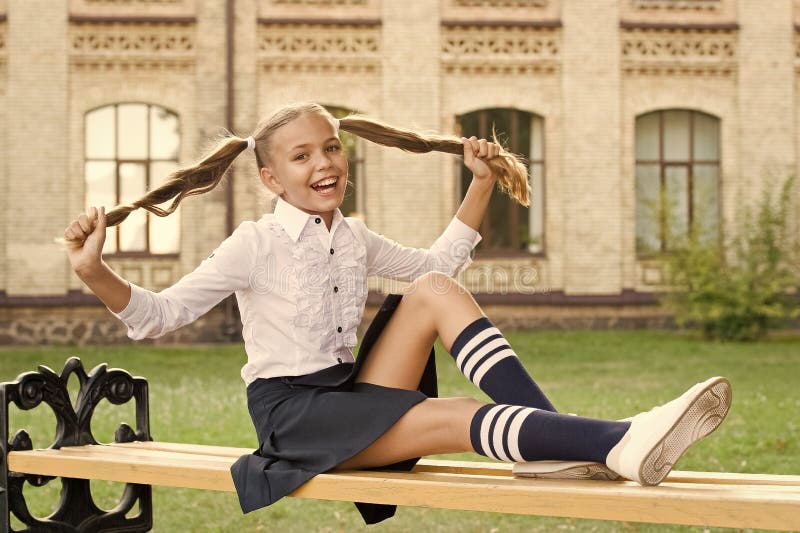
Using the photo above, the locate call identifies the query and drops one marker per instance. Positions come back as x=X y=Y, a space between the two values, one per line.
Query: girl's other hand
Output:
x=476 y=153
x=84 y=238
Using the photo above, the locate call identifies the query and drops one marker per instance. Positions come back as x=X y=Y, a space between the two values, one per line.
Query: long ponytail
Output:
x=511 y=172
x=198 y=179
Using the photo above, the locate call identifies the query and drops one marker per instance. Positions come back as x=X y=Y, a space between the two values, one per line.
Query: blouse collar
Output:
x=294 y=220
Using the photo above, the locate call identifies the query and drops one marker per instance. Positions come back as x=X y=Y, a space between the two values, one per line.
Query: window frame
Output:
x=688 y=164
x=146 y=253
x=513 y=137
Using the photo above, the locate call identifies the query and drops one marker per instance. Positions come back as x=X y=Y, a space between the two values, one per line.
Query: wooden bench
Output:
x=690 y=498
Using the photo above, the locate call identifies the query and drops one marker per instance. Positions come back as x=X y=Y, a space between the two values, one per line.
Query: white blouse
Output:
x=301 y=289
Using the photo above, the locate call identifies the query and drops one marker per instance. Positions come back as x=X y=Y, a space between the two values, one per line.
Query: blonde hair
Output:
x=205 y=175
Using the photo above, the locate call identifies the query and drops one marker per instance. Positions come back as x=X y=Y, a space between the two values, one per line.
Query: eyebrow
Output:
x=308 y=144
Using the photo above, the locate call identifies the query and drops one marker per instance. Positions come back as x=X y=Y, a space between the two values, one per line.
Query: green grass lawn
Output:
x=196 y=395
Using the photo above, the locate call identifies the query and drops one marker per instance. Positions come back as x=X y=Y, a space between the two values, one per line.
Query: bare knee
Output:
x=454 y=418
x=431 y=286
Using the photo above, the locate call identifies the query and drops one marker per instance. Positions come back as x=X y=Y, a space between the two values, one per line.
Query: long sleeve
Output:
x=450 y=253
x=227 y=269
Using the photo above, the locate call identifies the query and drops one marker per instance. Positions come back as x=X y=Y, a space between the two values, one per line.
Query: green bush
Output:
x=740 y=287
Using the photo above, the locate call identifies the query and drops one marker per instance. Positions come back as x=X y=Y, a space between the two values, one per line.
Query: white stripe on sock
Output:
x=474 y=341
x=499 y=429
x=489 y=363
x=485 y=424
x=513 y=433
x=470 y=363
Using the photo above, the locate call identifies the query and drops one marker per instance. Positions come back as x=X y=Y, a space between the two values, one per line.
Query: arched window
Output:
x=677 y=178
x=355 y=195
x=510 y=228
x=129 y=149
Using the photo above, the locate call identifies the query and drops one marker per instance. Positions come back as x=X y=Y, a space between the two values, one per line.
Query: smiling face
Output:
x=304 y=156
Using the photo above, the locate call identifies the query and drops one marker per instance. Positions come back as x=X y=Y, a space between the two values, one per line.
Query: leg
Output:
x=503 y=432
x=435 y=425
x=436 y=304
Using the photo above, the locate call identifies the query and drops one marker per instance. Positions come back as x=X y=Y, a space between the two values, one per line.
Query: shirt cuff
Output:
x=128 y=314
x=458 y=231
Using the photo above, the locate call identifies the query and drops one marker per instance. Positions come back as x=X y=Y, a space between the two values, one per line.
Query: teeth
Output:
x=328 y=181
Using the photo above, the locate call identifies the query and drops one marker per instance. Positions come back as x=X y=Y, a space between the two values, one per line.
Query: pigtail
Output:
x=198 y=179
x=509 y=167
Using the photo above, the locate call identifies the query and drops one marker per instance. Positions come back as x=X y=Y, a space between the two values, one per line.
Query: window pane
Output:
x=647 y=137
x=164 y=231
x=100 y=191
x=705 y=201
x=469 y=124
x=500 y=220
x=647 y=209
x=100 y=133
x=706 y=137
x=350 y=203
x=164 y=134
x=676 y=182
x=676 y=135
x=132 y=186
x=536 y=210
x=537 y=138
x=500 y=119
x=132 y=131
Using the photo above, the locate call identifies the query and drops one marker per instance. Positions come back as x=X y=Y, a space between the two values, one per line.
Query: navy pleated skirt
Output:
x=308 y=424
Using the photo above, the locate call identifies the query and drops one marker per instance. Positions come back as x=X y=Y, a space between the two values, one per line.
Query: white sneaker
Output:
x=658 y=438
x=564 y=470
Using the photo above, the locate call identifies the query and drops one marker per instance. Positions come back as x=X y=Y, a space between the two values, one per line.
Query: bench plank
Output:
x=689 y=498
x=480 y=467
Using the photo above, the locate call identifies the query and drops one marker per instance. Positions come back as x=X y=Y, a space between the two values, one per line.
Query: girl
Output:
x=299 y=275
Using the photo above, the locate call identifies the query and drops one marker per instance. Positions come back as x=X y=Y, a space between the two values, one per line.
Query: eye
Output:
x=335 y=147
x=298 y=156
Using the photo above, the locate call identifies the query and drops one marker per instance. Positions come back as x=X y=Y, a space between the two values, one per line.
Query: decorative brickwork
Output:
x=678 y=5
x=495 y=4
x=126 y=8
x=508 y=10
x=93 y=325
x=319 y=2
x=679 y=12
x=319 y=49
x=676 y=51
x=132 y=46
x=319 y=9
x=504 y=50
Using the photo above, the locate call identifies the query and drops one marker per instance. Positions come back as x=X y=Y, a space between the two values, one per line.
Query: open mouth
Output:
x=326 y=186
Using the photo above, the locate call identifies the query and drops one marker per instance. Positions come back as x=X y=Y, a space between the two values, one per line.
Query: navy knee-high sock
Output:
x=516 y=433
x=484 y=355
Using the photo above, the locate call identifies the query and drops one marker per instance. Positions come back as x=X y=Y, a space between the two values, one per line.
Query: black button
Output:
x=317 y=220
x=331 y=251
x=336 y=289
x=339 y=329
x=339 y=359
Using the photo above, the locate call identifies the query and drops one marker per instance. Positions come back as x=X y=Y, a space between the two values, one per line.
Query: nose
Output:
x=323 y=160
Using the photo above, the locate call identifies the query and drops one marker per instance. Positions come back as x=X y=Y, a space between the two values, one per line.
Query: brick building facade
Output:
x=606 y=94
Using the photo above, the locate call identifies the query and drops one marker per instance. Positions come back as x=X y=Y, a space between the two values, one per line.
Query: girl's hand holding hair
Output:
x=476 y=152
x=84 y=238
x=83 y=241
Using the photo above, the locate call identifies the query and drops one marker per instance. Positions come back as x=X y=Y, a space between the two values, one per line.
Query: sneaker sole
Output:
x=700 y=419
x=596 y=471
